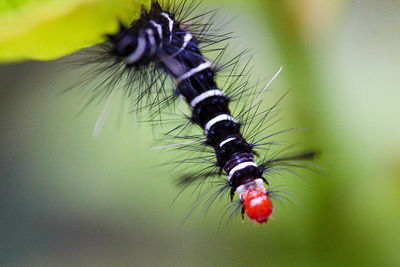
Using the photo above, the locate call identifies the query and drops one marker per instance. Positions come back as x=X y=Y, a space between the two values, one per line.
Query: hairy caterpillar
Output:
x=159 y=46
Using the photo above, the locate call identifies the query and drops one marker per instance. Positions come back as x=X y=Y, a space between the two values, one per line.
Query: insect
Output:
x=159 y=46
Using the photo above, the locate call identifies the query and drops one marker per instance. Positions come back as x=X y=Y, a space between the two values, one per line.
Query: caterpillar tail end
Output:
x=257 y=204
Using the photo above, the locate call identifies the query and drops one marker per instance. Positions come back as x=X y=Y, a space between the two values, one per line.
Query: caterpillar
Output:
x=159 y=46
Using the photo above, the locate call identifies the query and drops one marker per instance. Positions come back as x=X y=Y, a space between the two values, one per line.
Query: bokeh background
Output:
x=69 y=199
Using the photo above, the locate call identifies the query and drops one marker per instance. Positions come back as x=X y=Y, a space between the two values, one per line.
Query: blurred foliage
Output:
x=50 y=29
x=69 y=199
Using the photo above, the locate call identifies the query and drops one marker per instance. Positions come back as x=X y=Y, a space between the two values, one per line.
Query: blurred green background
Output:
x=67 y=198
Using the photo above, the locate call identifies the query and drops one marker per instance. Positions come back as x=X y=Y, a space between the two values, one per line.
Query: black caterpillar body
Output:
x=158 y=39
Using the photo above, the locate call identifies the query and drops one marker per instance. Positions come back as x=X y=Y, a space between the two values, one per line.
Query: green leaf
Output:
x=50 y=29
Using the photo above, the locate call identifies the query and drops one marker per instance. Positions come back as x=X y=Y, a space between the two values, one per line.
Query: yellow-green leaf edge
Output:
x=50 y=29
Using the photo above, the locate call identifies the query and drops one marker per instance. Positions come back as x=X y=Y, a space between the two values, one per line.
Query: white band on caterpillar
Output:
x=158 y=27
x=253 y=184
x=195 y=70
x=138 y=53
x=227 y=140
x=241 y=166
x=170 y=25
x=186 y=39
x=204 y=95
x=150 y=35
x=221 y=117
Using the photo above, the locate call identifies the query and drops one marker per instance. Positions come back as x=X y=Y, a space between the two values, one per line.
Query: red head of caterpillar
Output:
x=256 y=202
